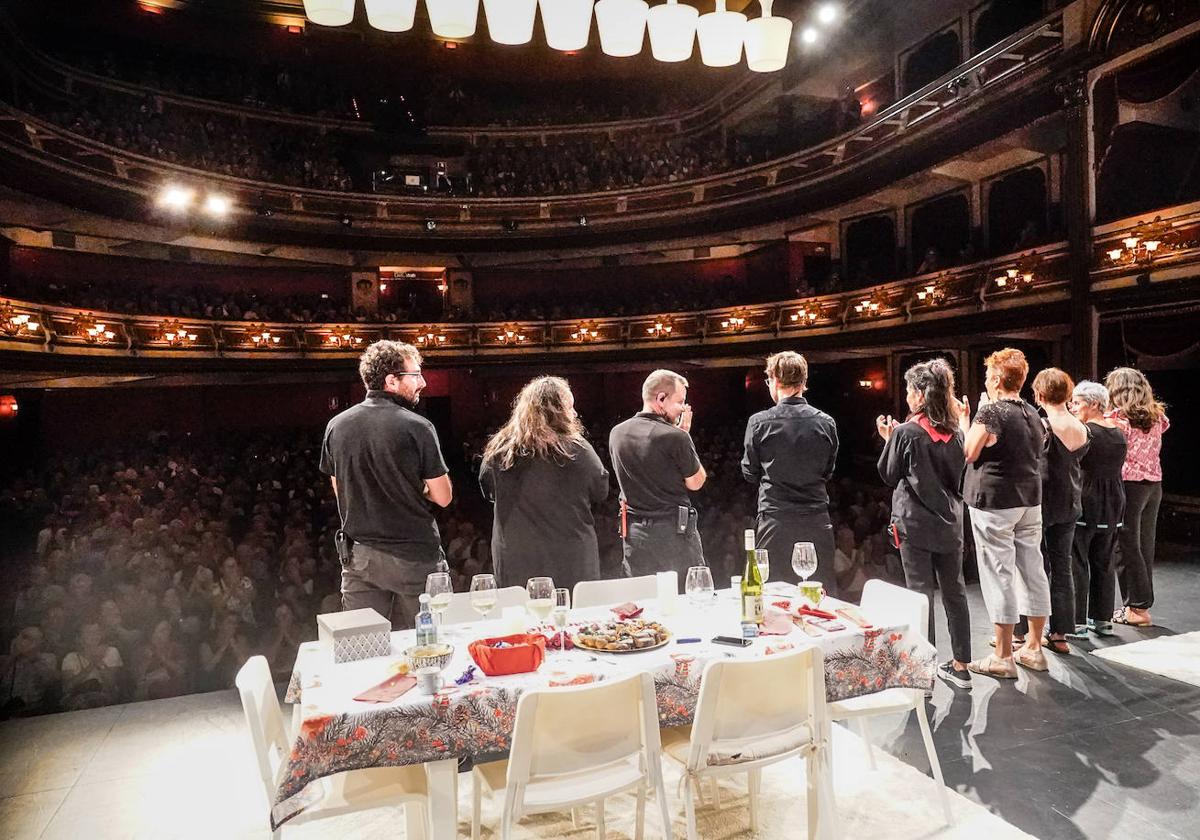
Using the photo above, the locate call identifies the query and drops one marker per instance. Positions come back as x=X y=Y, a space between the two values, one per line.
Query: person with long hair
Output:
x=923 y=460
x=1143 y=419
x=1066 y=444
x=545 y=481
x=1004 y=449
x=1101 y=513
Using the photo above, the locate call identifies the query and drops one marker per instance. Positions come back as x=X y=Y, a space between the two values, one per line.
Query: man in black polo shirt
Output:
x=790 y=453
x=386 y=467
x=656 y=465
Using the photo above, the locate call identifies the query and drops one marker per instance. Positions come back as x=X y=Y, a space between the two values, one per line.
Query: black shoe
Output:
x=962 y=678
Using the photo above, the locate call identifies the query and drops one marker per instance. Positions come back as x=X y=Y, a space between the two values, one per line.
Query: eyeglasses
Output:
x=409 y=373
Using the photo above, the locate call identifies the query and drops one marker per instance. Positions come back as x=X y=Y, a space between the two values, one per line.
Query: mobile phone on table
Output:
x=732 y=641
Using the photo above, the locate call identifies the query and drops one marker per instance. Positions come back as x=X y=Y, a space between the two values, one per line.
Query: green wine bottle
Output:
x=752 y=591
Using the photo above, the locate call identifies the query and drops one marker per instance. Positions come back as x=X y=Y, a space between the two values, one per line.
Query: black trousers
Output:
x=654 y=544
x=1095 y=586
x=1064 y=585
x=388 y=583
x=923 y=569
x=1135 y=561
x=778 y=532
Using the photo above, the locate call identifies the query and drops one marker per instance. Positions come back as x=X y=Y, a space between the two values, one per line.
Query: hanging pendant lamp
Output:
x=510 y=21
x=391 y=15
x=768 y=40
x=622 y=26
x=453 y=18
x=721 y=34
x=672 y=27
x=329 y=12
x=568 y=23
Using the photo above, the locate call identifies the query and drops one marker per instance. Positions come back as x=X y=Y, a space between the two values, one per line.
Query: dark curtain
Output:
x=936 y=57
x=870 y=254
x=1017 y=211
x=1147 y=167
x=1001 y=19
x=1159 y=75
x=943 y=225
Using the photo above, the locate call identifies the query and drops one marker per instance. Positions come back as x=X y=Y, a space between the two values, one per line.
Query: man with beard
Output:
x=386 y=467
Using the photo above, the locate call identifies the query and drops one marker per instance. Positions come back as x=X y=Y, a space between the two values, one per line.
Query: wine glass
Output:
x=440 y=589
x=541 y=597
x=763 y=562
x=560 y=612
x=700 y=590
x=804 y=563
x=483 y=594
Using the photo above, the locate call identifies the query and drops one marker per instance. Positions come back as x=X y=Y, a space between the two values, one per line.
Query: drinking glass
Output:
x=763 y=562
x=440 y=589
x=700 y=591
x=804 y=559
x=560 y=612
x=541 y=597
x=483 y=594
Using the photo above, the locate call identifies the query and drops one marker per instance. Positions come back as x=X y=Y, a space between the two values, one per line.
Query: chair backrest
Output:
x=886 y=602
x=460 y=610
x=264 y=719
x=548 y=740
x=601 y=593
x=762 y=700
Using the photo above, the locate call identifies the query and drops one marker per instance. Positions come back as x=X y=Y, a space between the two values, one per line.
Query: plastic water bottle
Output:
x=426 y=628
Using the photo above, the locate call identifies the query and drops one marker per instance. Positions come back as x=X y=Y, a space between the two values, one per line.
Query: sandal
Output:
x=1034 y=660
x=993 y=666
x=1016 y=642
x=1124 y=616
x=1058 y=646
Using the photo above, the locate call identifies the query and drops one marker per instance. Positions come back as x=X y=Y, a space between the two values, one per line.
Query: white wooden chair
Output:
x=886 y=602
x=603 y=593
x=460 y=610
x=752 y=713
x=556 y=764
x=343 y=793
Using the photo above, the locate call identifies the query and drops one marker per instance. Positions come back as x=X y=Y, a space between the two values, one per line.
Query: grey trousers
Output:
x=1012 y=574
x=655 y=545
x=387 y=583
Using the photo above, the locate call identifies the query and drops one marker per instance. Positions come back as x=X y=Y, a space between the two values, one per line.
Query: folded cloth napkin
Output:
x=813 y=612
x=784 y=605
x=558 y=678
x=852 y=614
x=627 y=610
x=556 y=640
x=388 y=690
x=775 y=623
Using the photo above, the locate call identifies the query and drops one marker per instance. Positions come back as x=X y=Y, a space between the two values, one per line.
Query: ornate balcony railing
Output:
x=32 y=142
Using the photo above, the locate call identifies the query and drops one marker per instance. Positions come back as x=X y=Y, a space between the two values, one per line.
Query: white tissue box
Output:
x=355 y=634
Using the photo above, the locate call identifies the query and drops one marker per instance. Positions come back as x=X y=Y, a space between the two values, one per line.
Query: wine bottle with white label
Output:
x=752 y=591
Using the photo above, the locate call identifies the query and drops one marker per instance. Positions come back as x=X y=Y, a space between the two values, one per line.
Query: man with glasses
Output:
x=790 y=452
x=386 y=467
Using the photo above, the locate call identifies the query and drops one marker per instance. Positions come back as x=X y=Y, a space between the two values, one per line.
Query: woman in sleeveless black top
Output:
x=1101 y=513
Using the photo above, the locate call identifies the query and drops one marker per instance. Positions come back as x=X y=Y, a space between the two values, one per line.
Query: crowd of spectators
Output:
x=157 y=567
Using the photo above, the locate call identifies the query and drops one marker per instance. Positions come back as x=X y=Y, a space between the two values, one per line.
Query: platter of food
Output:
x=632 y=635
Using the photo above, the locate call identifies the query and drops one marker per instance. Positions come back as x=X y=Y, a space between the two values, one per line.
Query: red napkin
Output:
x=552 y=638
x=783 y=605
x=627 y=610
x=388 y=690
x=812 y=612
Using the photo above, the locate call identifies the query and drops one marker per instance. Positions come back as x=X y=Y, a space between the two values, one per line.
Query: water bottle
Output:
x=426 y=629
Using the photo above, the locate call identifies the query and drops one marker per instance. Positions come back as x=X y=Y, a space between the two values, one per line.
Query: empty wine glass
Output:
x=541 y=597
x=483 y=594
x=560 y=612
x=440 y=589
x=763 y=562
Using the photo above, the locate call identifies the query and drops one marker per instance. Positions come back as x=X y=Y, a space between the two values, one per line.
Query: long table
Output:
x=335 y=733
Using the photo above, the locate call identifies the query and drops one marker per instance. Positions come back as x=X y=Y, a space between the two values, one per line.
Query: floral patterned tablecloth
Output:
x=475 y=720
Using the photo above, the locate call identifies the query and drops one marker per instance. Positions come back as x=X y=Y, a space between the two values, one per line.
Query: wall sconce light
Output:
x=735 y=322
x=663 y=327
x=175 y=334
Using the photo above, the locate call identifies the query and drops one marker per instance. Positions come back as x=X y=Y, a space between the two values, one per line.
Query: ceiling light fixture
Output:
x=808 y=35
x=828 y=13
x=329 y=12
x=453 y=18
x=768 y=39
x=721 y=34
x=391 y=15
x=622 y=26
x=510 y=22
x=672 y=29
x=568 y=23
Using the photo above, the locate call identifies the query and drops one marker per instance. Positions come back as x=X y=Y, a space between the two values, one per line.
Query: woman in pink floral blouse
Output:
x=1143 y=420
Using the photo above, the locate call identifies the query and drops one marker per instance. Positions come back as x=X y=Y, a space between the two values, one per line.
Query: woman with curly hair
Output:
x=545 y=481
x=1143 y=419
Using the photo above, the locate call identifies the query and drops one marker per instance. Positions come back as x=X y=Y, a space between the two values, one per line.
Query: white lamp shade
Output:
x=567 y=23
x=622 y=25
x=329 y=12
x=768 y=40
x=453 y=18
x=672 y=30
x=392 y=15
x=510 y=21
x=721 y=35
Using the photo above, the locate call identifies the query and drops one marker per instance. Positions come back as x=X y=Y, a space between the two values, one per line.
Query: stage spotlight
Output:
x=828 y=13
x=510 y=225
x=808 y=35
x=176 y=198
x=216 y=205
x=583 y=222
x=430 y=225
x=346 y=221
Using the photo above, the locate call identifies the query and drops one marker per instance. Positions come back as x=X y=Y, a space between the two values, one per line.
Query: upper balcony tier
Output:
x=1002 y=87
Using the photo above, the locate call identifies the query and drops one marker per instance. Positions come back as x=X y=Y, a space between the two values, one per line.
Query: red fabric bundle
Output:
x=527 y=652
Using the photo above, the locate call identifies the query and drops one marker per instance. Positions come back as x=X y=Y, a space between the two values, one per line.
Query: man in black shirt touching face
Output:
x=386 y=467
x=656 y=465
x=790 y=452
